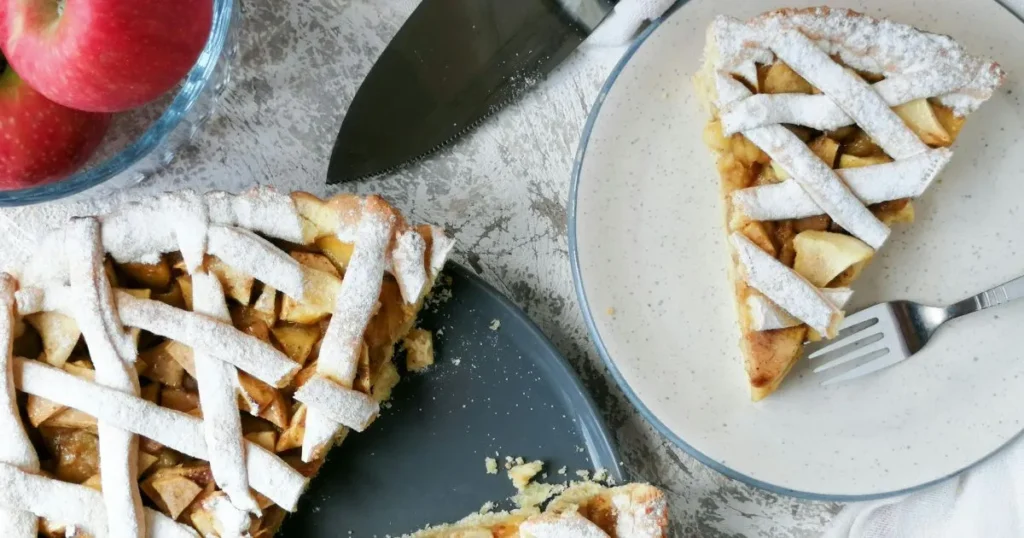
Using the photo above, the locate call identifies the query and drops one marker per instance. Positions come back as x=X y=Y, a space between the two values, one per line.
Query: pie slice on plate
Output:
x=826 y=123
x=584 y=510
x=181 y=366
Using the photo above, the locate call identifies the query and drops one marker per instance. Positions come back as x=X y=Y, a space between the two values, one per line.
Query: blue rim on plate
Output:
x=588 y=318
x=555 y=366
x=197 y=80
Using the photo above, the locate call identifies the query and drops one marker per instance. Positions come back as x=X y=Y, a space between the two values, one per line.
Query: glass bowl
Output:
x=146 y=139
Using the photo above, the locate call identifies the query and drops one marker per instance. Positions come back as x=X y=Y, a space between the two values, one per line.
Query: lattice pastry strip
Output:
x=75 y=284
x=906 y=178
x=217 y=385
x=820 y=183
x=113 y=354
x=850 y=92
x=177 y=430
x=569 y=523
x=818 y=111
x=785 y=287
x=63 y=502
x=15 y=451
x=354 y=305
x=767 y=316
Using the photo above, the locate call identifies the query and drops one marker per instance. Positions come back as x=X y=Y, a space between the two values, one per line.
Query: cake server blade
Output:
x=451 y=65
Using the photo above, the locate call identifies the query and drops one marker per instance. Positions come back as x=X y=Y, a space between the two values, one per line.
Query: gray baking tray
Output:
x=503 y=391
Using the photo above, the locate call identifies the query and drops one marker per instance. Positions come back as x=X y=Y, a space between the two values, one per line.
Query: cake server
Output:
x=451 y=65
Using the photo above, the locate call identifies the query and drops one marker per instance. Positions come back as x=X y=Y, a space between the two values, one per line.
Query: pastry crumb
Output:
x=386 y=380
x=562 y=470
x=419 y=350
x=492 y=465
x=456 y=362
x=611 y=311
x=523 y=473
x=487 y=508
x=601 y=475
x=495 y=324
x=584 y=474
x=536 y=494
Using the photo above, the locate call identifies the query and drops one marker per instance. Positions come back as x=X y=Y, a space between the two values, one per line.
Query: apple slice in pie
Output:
x=181 y=366
x=826 y=123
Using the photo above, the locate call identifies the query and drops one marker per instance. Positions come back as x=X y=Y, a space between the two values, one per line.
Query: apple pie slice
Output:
x=825 y=123
x=584 y=510
x=181 y=366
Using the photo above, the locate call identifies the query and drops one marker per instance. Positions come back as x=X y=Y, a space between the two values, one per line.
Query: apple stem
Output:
x=60 y=7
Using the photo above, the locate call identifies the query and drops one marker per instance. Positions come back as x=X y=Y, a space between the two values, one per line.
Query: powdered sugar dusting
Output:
x=139 y=232
x=189 y=219
x=255 y=357
x=567 y=525
x=815 y=177
x=407 y=262
x=222 y=424
x=820 y=183
x=884 y=47
x=784 y=286
x=16 y=449
x=767 y=316
x=814 y=111
x=817 y=111
x=441 y=247
x=113 y=355
x=229 y=521
x=360 y=289
x=255 y=256
x=640 y=519
x=266 y=211
x=269 y=474
x=907 y=178
x=65 y=274
x=62 y=502
x=849 y=91
x=345 y=406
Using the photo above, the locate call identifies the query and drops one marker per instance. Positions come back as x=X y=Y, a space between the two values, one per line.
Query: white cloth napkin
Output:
x=985 y=502
x=622 y=24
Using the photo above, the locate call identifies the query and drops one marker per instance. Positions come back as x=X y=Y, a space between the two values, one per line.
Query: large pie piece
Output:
x=181 y=366
x=826 y=123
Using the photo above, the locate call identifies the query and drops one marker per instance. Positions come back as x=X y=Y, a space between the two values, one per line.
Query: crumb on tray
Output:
x=419 y=350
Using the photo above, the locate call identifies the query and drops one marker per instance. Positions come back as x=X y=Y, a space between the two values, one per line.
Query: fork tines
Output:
x=869 y=339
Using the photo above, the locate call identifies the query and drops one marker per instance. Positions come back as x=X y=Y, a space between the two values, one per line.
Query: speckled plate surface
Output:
x=649 y=260
x=493 y=391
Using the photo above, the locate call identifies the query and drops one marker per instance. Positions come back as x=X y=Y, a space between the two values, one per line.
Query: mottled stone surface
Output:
x=502 y=192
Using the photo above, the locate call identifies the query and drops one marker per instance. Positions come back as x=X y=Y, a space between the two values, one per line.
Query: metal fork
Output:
x=888 y=333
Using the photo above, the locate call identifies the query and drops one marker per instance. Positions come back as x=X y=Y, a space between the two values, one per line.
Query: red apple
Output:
x=41 y=141
x=103 y=55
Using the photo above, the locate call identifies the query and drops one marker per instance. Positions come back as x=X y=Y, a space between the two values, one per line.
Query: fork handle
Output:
x=996 y=296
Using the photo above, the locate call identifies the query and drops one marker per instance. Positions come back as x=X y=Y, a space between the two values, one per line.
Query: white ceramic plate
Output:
x=650 y=267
